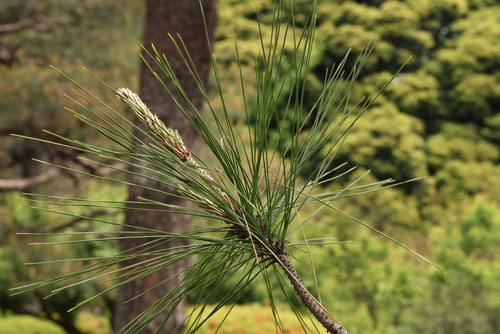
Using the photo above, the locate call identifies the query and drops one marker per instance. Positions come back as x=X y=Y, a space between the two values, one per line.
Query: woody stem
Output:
x=316 y=309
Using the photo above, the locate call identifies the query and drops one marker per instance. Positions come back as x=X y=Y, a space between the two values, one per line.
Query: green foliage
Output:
x=20 y=217
x=388 y=140
x=459 y=142
x=467 y=67
x=393 y=24
x=418 y=94
x=438 y=119
x=93 y=323
x=468 y=249
x=69 y=34
x=15 y=324
x=257 y=197
x=85 y=322
x=251 y=318
x=451 y=78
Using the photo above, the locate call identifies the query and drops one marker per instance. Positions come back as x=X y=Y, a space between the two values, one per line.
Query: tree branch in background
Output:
x=8 y=53
x=23 y=184
x=27 y=183
x=71 y=223
x=8 y=28
x=37 y=23
x=66 y=154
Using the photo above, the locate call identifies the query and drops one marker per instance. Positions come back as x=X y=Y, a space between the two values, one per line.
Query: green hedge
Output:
x=26 y=324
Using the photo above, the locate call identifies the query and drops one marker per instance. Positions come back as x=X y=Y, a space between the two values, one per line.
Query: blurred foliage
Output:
x=439 y=119
x=443 y=107
x=103 y=35
x=93 y=323
x=252 y=318
x=16 y=324
x=85 y=321
x=20 y=217
x=466 y=299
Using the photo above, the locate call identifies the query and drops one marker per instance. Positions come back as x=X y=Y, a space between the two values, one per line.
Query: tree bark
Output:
x=162 y=17
x=326 y=320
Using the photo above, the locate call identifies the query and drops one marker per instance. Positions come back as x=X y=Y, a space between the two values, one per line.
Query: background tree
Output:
x=438 y=118
x=104 y=35
x=164 y=18
x=70 y=34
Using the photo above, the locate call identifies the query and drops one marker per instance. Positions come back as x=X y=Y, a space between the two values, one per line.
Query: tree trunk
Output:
x=181 y=17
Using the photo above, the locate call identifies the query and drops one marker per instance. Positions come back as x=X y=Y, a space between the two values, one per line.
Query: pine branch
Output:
x=255 y=191
x=173 y=142
x=330 y=324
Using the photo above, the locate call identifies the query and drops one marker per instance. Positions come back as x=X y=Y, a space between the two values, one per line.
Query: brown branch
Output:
x=278 y=255
x=27 y=183
x=30 y=182
x=36 y=23
x=46 y=23
x=95 y=169
x=331 y=325
x=8 y=28
x=104 y=171
x=73 y=222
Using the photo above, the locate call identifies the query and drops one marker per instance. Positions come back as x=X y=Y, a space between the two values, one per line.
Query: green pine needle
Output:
x=255 y=193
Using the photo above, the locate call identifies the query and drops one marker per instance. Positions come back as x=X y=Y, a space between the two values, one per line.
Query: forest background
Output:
x=439 y=119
